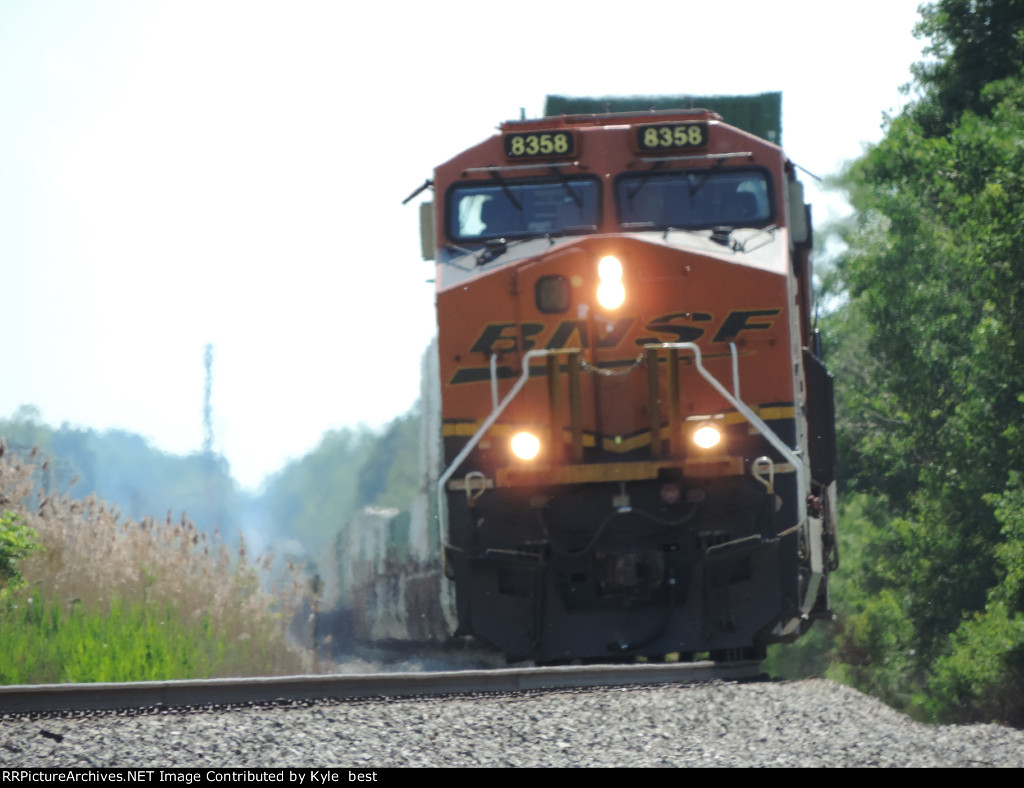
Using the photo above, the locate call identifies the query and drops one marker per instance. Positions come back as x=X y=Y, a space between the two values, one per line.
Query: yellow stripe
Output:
x=702 y=468
x=765 y=414
x=627 y=444
x=467 y=429
x=693 y=468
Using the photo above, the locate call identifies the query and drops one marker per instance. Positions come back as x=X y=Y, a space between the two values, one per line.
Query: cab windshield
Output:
x=694 y=199
x=482 y=210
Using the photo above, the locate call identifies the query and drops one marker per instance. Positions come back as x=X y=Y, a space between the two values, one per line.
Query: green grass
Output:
x=109 y=599
x=46 y=642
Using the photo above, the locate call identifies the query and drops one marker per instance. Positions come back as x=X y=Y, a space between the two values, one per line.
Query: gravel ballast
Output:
x=805 y=723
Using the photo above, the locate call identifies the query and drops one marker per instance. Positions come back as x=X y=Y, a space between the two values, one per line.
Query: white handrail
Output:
x=495 y=413
x=494 y=380
x=735 y=370
x=812 y=538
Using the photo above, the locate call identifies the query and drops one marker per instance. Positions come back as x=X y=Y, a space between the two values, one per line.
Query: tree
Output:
x=390 y=475
x=973 y=43
x=935 y=272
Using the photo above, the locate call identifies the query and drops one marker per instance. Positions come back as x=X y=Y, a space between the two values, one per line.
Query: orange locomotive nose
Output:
x=676 y=296
x=622 y=324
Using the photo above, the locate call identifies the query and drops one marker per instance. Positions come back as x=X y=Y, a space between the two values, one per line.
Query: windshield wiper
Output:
x=642 y=182
x=564 y=180
x=462 y=252
x=641 y=226
x=721 y=235
x=496 y=247
x=703 y=176
x=741 y=246
x=492 y=250
x=506 y=190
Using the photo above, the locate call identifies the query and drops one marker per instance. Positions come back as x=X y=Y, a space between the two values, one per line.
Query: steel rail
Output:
x=45 y=698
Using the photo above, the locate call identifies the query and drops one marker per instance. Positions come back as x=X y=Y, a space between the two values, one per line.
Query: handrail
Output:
x=812 y=538
x=442 y=482
x=735 y=370
x=494 y=380
x=741 y=406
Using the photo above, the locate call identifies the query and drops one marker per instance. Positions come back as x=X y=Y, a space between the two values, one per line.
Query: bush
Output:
x=16 y=542
x=982 y=679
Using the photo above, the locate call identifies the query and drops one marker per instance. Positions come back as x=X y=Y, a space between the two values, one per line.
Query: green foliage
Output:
x=109 y=599
x=1009 y=508
x=17 y=541
x=79 y=625
x=983 y=675
x=930 y=368
x=877 y=653
x=311 y=498
x=390 y=475
x=937 y=273
x=869 y=644
x=49 y=642
x=811 y=655
x=973 y=43
x=866 y=415
x=306 y=504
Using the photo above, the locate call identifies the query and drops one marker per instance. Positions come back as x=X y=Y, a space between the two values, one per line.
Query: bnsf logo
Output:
x=675 y=327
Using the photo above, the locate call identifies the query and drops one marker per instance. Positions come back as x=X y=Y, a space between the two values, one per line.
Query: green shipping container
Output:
x=760 y=114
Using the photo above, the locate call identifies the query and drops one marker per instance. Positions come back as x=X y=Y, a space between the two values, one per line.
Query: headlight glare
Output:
x=707 y=436
x=609 y=269
x=610 y=291
x=525 y=445
x=610 y=295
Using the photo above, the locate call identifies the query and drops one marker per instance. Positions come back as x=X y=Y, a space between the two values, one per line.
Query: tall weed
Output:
x=113 y=599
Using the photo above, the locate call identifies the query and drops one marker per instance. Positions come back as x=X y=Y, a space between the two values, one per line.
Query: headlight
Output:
x=609 y=269
x=707 y=436
x=610 y=295
x=610 y=291
x=525 y=445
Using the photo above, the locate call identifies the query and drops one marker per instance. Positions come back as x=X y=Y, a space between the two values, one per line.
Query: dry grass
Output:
x=93 y=558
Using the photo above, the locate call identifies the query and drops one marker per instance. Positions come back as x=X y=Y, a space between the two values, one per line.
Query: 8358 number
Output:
x=538 y=144
x=671 y=136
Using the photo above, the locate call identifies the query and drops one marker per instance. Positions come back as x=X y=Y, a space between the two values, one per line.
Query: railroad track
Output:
x=49 y=698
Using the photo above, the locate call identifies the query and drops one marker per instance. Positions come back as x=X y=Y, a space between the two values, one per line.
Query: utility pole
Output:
x=214 y=502
x=207 y=407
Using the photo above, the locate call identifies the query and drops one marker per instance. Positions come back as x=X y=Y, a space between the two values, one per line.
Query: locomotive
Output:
x=637 y=424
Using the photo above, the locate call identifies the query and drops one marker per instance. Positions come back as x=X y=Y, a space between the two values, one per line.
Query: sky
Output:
x=175 y=173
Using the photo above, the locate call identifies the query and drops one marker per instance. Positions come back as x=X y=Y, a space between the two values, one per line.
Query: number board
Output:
x=538 y=144
x=671 y=136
